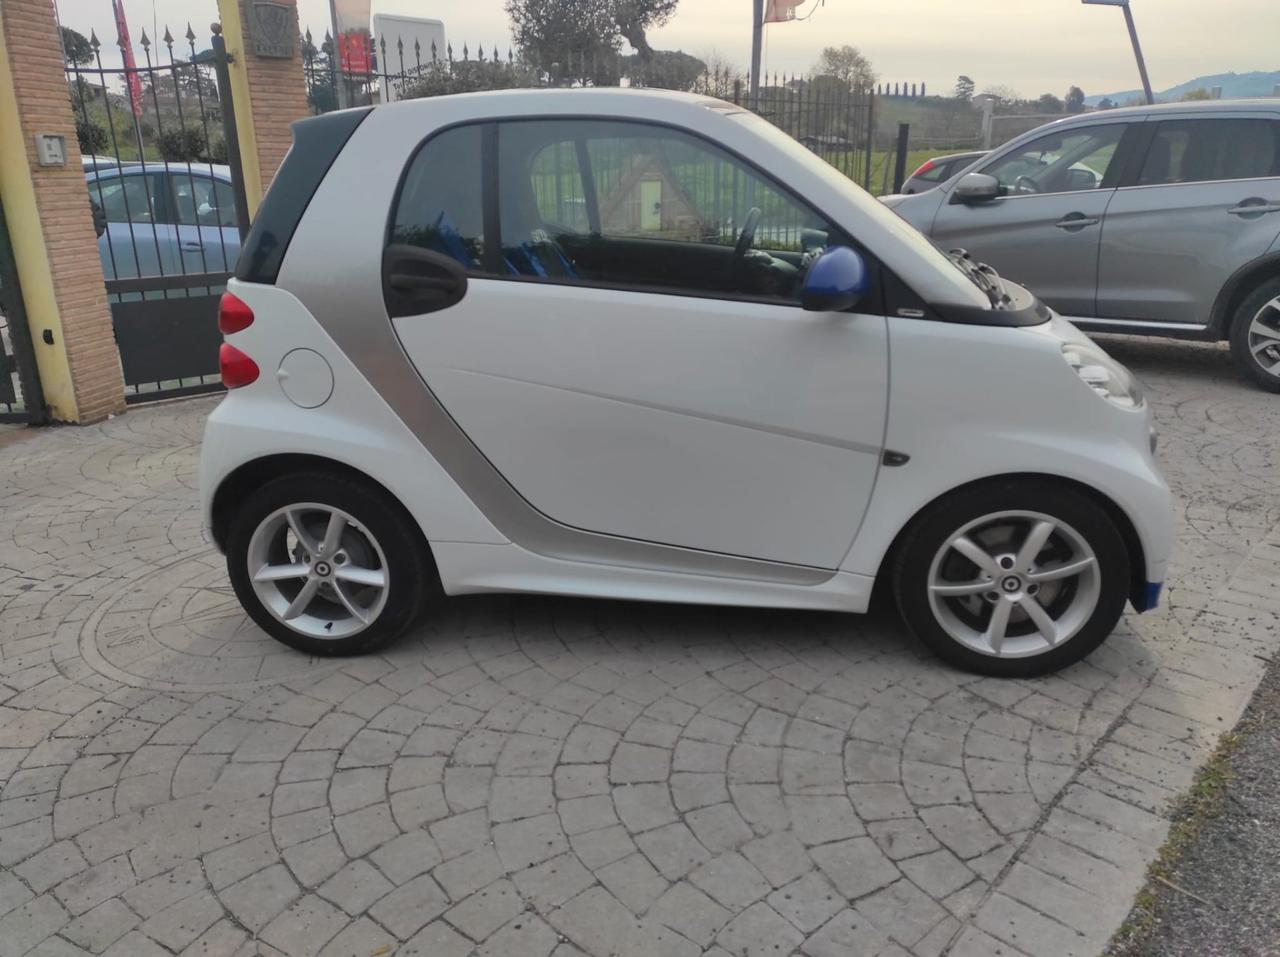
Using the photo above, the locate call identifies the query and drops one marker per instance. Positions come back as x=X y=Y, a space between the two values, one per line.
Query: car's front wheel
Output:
x=1255 y=335
x=328 y=564
x=1012 y=578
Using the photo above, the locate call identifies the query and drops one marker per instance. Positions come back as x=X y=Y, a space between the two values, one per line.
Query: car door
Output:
x=643 y=374
x=139 y=240
x=1203 y=204
x=204 y=204
x=1043 y=232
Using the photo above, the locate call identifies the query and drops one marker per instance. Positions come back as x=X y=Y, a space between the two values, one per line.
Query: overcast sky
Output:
x=1033 y=46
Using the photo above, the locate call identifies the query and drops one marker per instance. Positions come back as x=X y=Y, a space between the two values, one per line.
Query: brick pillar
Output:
x=50 y=223
x=269 y=94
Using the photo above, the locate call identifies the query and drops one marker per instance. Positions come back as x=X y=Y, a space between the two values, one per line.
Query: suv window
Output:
x=1060 y=162
x=202 y=201
x=1197 y=151
x=127 y=199
x=440 y=205
x=651 y=207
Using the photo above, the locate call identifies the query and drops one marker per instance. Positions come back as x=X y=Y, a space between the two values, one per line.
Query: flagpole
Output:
x=757 y=43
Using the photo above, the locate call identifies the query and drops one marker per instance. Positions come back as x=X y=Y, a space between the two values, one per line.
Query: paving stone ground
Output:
x=534 y=776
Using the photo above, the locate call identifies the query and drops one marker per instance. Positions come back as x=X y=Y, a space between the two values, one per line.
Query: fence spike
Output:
x=307 y=36
x=480 y=54
x=511 y=57
x=400 y=46
x=145 y=40
x=449 y=50
x=191 y=34
x=168 y=37
x=495 y=53
x=93 y=41
x=465 y=54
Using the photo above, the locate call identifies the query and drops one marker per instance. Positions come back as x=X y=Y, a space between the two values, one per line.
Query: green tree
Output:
x=569 y=39
x=182 y=144
x=76 y=47
x=847 y=64
x=664 y=70
x=964 y=88
x=1074 y=100
x=1048 y=103
x=1106 y=103
x=1193 y=95
x=92 y=137
x=635 y=17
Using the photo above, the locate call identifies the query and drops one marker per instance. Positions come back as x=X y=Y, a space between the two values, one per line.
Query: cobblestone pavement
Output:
x=534 y=776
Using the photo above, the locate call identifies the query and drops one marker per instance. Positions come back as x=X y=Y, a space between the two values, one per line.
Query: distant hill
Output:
x=1234 y=87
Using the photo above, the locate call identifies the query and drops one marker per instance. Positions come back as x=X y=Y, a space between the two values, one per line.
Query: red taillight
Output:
x=233 y=314
x=928 y=165
x=237 y=368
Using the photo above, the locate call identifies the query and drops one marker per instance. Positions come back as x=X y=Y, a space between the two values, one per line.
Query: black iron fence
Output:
x=832 y=118
x=162 y=176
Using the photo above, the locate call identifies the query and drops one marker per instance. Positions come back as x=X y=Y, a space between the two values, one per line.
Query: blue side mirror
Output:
x=836 y=281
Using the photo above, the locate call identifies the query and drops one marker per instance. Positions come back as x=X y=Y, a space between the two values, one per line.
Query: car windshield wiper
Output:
x=982 y=276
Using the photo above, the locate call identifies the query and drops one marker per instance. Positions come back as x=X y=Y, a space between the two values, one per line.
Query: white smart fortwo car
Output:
x=643 y=345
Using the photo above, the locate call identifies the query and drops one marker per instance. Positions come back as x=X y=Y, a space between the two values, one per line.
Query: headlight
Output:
x=1103 y=374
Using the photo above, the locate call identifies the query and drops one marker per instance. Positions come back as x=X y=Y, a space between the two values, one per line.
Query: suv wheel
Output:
x=1012 y=578
x=327 y=564
x=1255 y=335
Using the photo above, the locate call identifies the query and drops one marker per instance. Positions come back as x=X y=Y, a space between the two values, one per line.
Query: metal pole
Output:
x=757 y=45
x=900 y=160
x=231 y=136
x=344 y=94
x=1137 y=52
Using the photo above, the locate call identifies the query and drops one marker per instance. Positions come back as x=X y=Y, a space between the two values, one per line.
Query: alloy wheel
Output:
x=1013 y=584
x=1264 y=337
x=318 y=571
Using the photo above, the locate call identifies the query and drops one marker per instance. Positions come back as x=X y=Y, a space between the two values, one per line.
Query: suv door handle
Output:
x=1074 y=222
x=1254 y=206
x=417 y=280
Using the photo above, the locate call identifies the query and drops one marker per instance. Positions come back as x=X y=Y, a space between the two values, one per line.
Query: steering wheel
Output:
x=1025 y=184
x=745 y=238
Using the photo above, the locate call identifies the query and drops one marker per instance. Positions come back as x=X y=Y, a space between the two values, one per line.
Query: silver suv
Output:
x=1154 y=220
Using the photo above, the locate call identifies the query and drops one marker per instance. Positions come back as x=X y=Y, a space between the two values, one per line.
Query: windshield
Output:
x=899 y=244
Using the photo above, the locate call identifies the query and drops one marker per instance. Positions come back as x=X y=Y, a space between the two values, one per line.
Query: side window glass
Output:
x=202 y=201
x=1064 y=162
x=1197 y=151
x=558 y=188
x=440 y=206
x=659 y=209
x=126 y=199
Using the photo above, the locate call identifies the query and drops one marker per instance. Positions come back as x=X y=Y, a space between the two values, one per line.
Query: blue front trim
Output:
x=1148 y=598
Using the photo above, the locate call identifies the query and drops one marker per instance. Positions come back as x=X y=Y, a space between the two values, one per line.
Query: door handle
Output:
x=417 y=280
x=1254 y=206
x=192 y=245
x=1074 y=222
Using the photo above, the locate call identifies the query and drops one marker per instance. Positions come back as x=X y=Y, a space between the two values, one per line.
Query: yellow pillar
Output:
x=50 y=223
x=269 y=94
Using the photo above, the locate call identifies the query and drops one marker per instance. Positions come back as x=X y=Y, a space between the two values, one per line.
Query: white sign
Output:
x=407 y=42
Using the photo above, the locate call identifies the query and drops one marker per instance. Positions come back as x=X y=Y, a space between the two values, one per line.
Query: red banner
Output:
x=132 y=80
x=354 y=52
x=780 y=11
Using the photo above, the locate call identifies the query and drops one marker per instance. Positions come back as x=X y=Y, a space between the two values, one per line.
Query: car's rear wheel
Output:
x=328 y=564
x=1012 y=578
x=1255 y=335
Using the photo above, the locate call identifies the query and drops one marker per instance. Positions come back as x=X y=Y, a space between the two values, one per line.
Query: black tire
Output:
x=937 y=523
x=413 y=582
x=1263 y=293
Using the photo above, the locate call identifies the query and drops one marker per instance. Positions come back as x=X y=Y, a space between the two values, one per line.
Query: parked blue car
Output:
x=165 y=219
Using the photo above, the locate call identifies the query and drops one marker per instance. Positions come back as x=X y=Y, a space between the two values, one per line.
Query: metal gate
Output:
x=163 y=178
x=20 y=397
